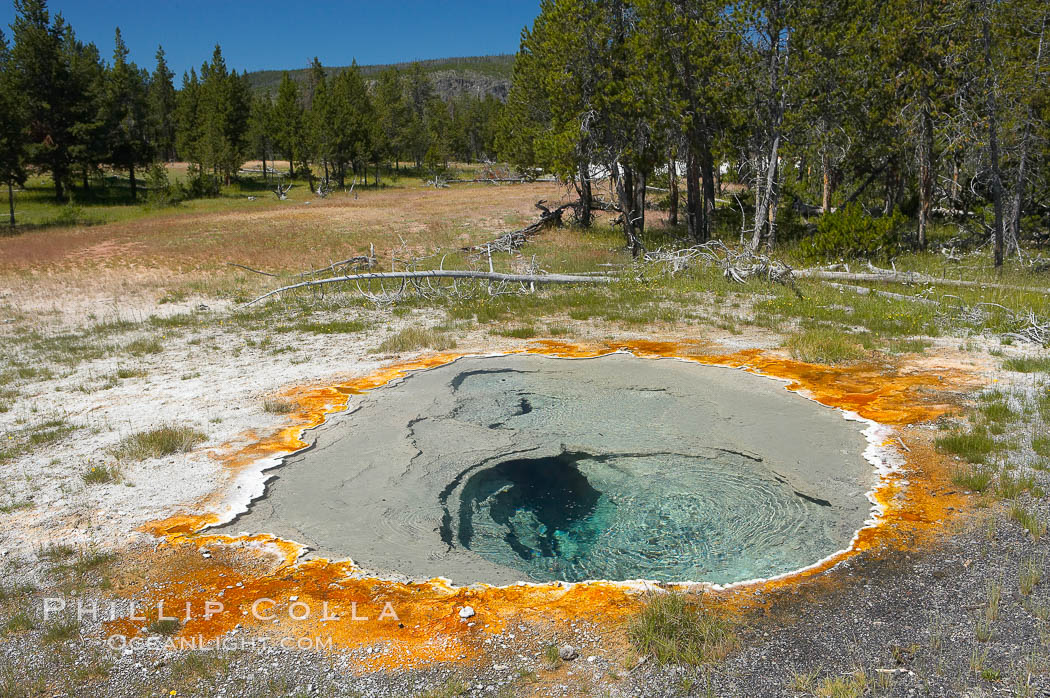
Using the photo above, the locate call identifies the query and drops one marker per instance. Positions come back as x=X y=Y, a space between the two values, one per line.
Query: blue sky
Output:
x=266 y=34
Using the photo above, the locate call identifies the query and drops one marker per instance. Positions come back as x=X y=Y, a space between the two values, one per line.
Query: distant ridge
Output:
x=475 y=75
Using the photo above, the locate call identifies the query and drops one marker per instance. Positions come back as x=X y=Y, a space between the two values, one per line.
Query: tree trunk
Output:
x=586 y=196
x=672 y=185
x=993 y=139
x=768 y=195
x=11 y=202
x=925 y=169
x=707 y=173
x=640 y=180
x=693 y=198
x=264 y=165
x=60 y=193
x=625 y=185
x=131 y=181
x=291 y=165
x=891 y=189
x=774 y=206
x=825 y=166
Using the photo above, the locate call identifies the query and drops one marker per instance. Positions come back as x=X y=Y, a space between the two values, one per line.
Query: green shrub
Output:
x=851 y=232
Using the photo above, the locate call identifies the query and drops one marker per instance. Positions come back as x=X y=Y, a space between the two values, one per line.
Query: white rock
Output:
x=466 y=612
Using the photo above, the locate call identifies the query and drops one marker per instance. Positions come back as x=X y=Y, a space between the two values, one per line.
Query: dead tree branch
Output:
x=445 y=274
x=736 y=265
x=254 y=271
x=907 y=277
x=514 y=240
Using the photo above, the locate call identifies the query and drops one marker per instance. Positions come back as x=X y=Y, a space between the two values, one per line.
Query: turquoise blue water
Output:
x=659 y=516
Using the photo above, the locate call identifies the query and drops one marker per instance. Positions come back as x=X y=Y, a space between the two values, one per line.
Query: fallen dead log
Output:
x=254 y=271
x=446 y=274
x=908 y=277
x=515 y=239
x=865 y=291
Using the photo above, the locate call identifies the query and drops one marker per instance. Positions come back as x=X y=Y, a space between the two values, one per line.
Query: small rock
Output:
x=466 y=612
x=568 y=653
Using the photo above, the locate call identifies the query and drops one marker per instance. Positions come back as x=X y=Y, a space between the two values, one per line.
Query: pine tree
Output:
x=318 y=135
x=288 y=121
x=126 y=115
x=12 y=131
x=391 y=115
x=261 y=129
x=42 y=75
x=348 y=117
x=187 y=130
x=162 y=108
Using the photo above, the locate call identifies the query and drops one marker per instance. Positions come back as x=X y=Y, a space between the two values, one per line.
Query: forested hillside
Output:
x=451 y=77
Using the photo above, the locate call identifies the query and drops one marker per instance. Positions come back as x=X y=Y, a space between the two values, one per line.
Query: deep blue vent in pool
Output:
x=546 y=506
x=662 y=516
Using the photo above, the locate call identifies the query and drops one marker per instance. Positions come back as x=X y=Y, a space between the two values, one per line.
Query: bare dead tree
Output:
x=281 y=191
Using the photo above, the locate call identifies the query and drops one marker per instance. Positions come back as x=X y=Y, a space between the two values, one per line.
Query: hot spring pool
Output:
x=538 y=469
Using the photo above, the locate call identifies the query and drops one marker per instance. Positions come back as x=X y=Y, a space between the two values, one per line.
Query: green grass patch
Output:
x=908 y=345
x=973 y=479
x=675 y=629
x=1029 y=520
x=156 y=443
x=1028 y=364
x=142 y=347
x=414 y=339
x=333 y=327
x=168 y=626
x=1010 y=486
x=61 y=632
x=19 y=623
x=99 y=475
x=91 y=561
x=824 y=345
x=1041 y=446
x=526 y=332
x=973 y=446
x=998 y=412
x=12 y=507
x=124 y=373
x=175 y=321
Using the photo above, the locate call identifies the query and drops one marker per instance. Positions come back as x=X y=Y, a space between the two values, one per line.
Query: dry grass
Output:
x=285 y=236
x=275 y=406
